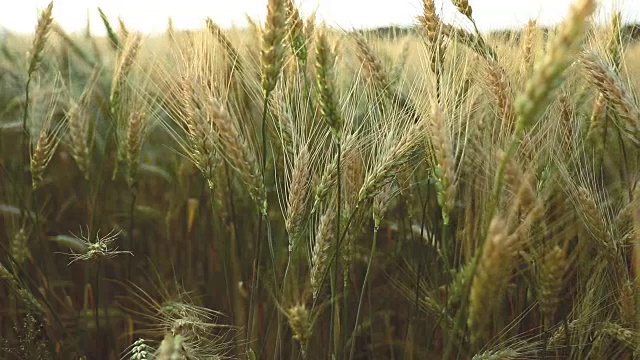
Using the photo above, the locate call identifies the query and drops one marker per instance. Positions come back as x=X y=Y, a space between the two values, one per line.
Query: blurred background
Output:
x=152 y=16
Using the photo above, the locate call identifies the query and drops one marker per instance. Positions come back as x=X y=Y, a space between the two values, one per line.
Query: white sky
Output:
x=152 y=15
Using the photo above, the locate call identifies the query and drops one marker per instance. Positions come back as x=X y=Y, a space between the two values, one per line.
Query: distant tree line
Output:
x=630 y=32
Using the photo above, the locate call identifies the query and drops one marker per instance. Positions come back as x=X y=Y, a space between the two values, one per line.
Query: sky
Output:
x=152 y=15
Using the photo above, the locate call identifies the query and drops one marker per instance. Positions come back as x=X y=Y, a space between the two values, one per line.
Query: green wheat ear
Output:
x=113 y=37
x=325 y=60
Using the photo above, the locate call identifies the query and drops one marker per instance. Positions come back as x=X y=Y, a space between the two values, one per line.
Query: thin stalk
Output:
x=25 y=146
x=97 y=299
x=338 y=241
x=463 y=305
x=263 y=215
x=335 y=253
x=275 y=280
x=27 y=282
x=421 y=251
x=132 y=208
x=254 y=285
x=233 y=253
x=225 y=254
x=365 y=284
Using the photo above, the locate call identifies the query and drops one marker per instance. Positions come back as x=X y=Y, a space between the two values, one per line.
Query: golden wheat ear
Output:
x=45 y=22
x=603 y=77
x=46 y=144
x=551 y=282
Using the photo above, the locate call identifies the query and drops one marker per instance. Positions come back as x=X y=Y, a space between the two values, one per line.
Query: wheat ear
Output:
x=602 y=76
x=272 y=55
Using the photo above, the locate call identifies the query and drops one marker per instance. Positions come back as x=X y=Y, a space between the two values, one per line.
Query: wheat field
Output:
x=294 y=191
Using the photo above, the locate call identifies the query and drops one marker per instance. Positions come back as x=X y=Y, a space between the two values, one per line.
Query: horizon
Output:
x=490 y=15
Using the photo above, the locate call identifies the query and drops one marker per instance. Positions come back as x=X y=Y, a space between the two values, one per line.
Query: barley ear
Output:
x=171 y=348
x=43 y=28
x=81 y=128
x=19 y=248
x=272 y=55
x=326 y=85
x=464 y=8
x=136 y=131
x=527 y=43
x=604 y=78
x=550 y=282
x=298 y=198
x=123 y=31
x=444 y=169
x=140 y=350
x=321 y=249
x=45 y=21
x=489 y=280
x=297 y=39
x=546 y=78
x=430 y=21
x=300 y=322
x=597 y=124
x=372 y=65
x=45 y=146
x=22 y=293
x=549 y=72
x=113 y=37
x=126 y=59
x=593 y=220
x=615 y=47
x=232 y=54
x=432 y=25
